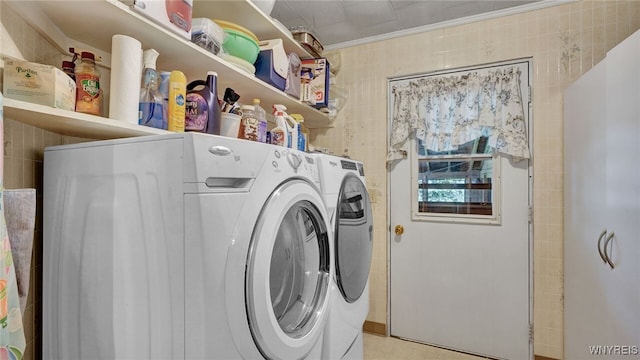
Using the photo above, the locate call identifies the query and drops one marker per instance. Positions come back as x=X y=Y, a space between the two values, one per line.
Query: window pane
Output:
x=451 y=184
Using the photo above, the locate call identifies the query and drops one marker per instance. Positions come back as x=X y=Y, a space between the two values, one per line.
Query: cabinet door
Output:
x=623 y=192
x=585 y=201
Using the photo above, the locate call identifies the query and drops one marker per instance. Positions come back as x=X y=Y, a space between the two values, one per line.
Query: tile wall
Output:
x=23 y=157
x=564 y=41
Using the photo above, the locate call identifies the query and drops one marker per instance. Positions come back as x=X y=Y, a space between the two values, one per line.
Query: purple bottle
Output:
x=202 y=111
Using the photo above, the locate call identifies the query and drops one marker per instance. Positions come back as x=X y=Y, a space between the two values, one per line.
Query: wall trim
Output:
x=379 y=329
x=450 y=23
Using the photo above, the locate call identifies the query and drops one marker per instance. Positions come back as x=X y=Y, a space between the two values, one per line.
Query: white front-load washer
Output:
x=349 y=207
x=184 y=246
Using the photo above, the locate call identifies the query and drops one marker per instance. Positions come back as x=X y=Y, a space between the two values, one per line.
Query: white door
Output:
x=462 y=281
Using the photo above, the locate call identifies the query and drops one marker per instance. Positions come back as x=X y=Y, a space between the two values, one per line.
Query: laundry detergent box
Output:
x=39 y=84
x=172 y=14
x=314 y=82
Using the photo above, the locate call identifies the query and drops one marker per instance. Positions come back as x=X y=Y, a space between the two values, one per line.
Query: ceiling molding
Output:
x=450 y=23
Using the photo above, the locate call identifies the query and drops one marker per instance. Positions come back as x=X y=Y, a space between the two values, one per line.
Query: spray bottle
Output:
x=151 y=107
x=280 y=133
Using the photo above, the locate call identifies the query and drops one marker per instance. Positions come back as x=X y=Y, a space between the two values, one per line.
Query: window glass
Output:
x=354 y=238
x=299 y=269
x=456 y=182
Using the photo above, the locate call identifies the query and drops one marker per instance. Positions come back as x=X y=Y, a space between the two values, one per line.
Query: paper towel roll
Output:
x=126 y=70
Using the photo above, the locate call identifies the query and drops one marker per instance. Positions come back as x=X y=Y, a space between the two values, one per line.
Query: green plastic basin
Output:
x=240 y=45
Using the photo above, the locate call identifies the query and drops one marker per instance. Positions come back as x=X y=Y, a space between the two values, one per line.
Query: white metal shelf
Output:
x=72 y=123
x=95 y=22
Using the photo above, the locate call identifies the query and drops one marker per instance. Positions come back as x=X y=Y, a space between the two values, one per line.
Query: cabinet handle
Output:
x=606 y=243
x=602 y=234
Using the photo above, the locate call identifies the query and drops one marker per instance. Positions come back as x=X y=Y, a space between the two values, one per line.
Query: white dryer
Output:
x=184 y=246
x=349 y=207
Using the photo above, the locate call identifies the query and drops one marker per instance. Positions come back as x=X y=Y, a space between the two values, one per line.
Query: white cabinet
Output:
x=93 y=23
x=602 y=208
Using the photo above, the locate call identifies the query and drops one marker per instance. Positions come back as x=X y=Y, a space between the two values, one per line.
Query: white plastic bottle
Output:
x=261 y=115
x=303 y=134
x=280 y=133
x=294 y=130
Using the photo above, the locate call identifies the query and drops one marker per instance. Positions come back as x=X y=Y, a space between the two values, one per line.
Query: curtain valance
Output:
x=447 y=111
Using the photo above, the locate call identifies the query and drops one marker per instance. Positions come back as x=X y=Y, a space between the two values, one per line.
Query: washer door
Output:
x=353 y=238
x=288 y=273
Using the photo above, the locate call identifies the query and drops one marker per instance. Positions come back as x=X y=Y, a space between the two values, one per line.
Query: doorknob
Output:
x=399 y=229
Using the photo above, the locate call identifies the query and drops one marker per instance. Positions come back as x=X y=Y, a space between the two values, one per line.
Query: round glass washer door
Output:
x=353 y=238
x=288 y=273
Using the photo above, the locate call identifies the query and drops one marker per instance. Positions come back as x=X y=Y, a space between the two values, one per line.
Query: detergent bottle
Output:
x=280 y=133
x=202 y=110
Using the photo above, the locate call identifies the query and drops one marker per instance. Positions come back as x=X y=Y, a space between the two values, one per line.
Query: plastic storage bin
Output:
x=207 y=34
x=272 y=65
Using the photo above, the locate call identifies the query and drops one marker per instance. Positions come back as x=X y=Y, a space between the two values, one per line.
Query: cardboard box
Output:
x=39 y=84
x=314 y=82
x=172 y=14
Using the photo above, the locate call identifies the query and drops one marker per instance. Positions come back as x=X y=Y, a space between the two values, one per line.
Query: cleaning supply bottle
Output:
x=303 y=133
x=280 y=133
x=151 y=107
x=202 y=107
x=294 y=129
x=88 y=93
x=176 y=101
x=163 y=90
x=261 y=115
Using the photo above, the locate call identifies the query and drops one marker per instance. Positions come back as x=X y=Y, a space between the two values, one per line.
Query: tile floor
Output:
x=378 y=347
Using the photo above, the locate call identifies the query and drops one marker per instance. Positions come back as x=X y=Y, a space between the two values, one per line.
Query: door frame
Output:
x=529 y=110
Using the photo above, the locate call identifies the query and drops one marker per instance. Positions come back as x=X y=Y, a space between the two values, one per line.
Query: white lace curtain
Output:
x=445 y=112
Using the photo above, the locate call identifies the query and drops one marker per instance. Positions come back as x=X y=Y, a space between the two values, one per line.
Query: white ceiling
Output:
x=343 y=21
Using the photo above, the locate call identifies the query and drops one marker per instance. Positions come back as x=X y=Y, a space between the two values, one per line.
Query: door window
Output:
x=457 y=183
x=299 y=269
x=354 y=235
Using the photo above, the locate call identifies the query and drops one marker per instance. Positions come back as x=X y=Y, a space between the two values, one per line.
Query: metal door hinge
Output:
x=530 y=215
x=531 y=333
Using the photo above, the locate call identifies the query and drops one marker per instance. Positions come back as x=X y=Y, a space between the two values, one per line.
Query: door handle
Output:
x=602 y=234
x=220 y=150
x=606 y=255
x=399 y=229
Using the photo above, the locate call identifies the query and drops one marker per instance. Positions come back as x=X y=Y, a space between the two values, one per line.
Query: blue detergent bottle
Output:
x=151 y=110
